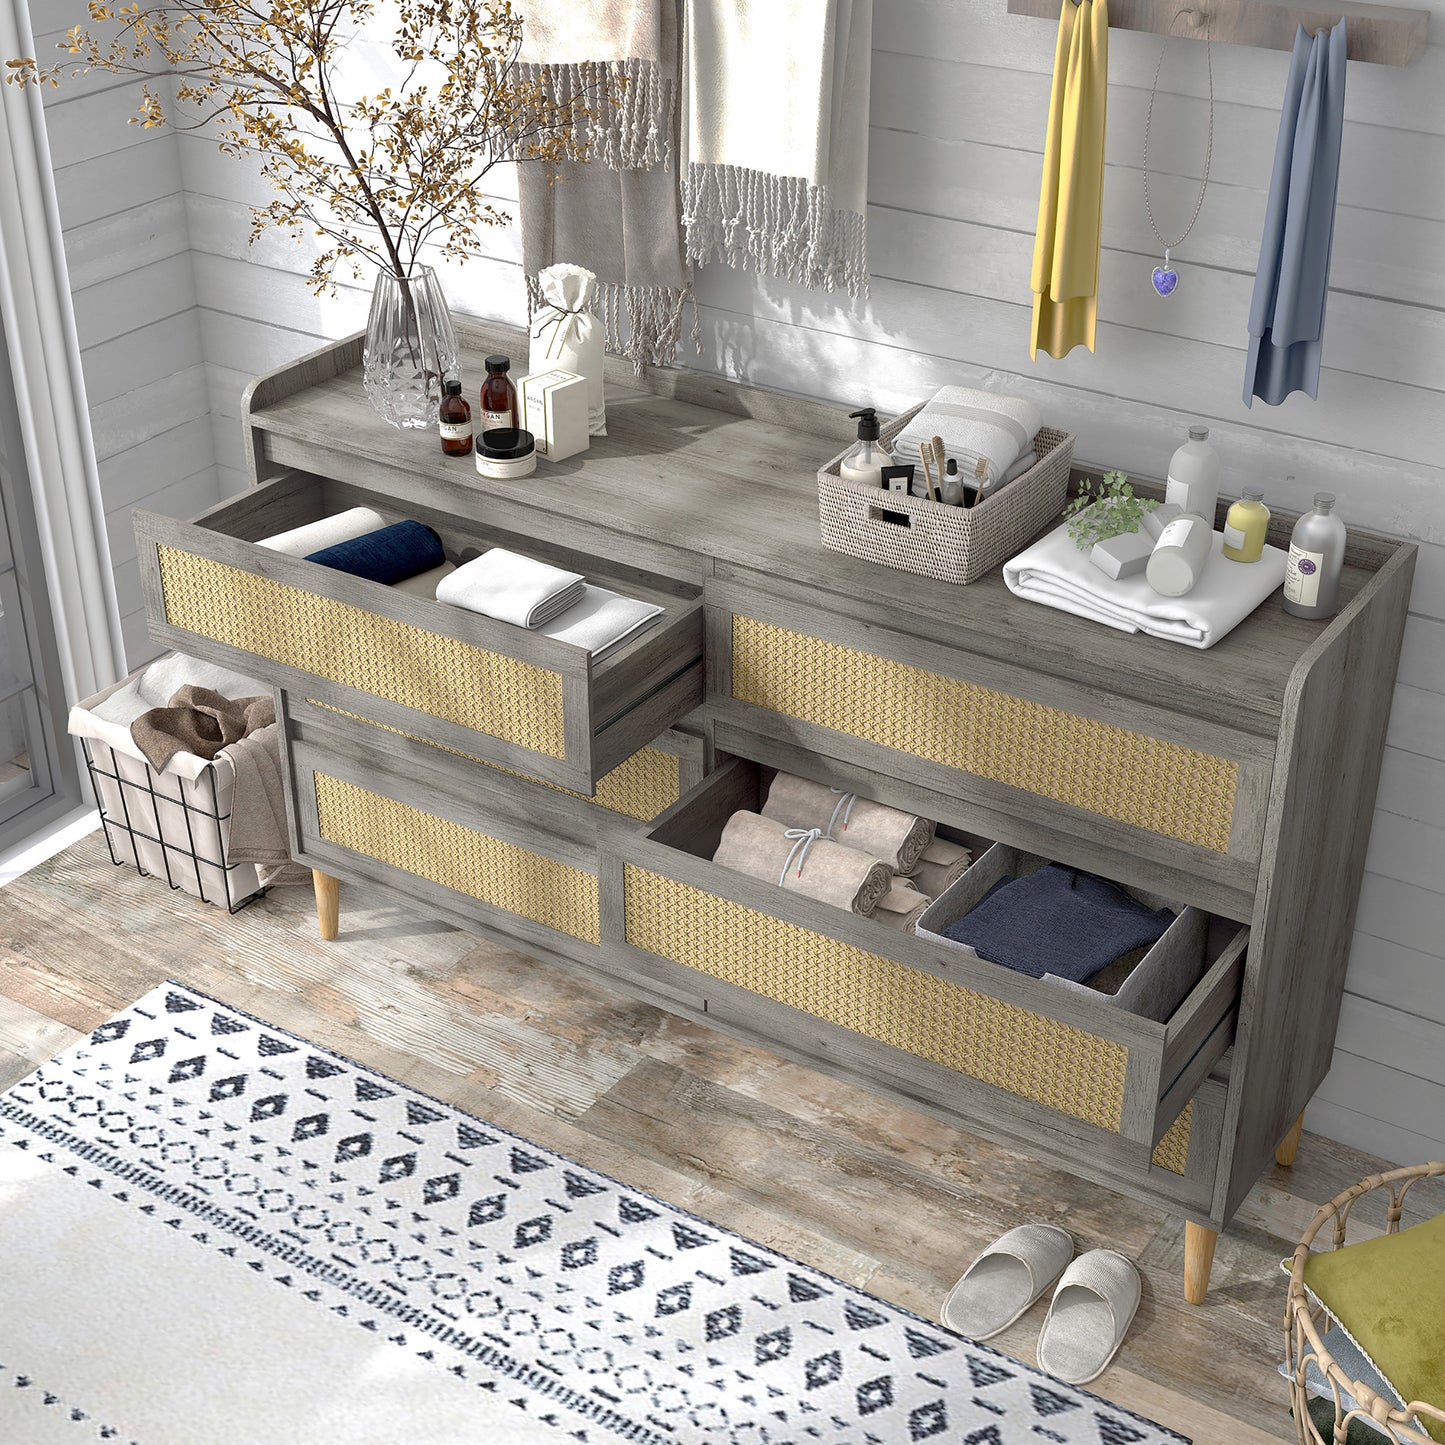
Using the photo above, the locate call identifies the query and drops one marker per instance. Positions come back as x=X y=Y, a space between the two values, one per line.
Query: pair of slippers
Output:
x=1095 y=1298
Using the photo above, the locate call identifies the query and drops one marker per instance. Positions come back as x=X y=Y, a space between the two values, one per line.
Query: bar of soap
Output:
x=1126 y=555
x=1160 y=517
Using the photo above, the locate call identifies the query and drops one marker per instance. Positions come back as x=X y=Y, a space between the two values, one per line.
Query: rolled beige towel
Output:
x=940 y=864
x=901 y=907
x=802 y=861
x=898 y=838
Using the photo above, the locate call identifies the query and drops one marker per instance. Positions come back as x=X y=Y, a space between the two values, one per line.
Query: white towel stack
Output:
x=602 y=621
x=512 y=588
x=976 y=426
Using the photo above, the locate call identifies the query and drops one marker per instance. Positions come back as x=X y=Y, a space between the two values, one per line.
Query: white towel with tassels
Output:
x=775 y=137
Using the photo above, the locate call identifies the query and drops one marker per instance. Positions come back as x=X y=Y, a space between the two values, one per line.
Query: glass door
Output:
x=38 y=772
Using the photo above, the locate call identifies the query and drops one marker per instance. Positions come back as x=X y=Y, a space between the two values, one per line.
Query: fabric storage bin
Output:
x=956 y=544
x=525 y=701
x=1155 y=987
x=173 y=824
x=898 y=1009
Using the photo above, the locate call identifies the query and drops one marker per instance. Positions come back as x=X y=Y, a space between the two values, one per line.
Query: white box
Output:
x=555 y=410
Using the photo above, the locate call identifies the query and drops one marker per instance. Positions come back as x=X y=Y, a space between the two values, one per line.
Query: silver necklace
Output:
x=1166 y=278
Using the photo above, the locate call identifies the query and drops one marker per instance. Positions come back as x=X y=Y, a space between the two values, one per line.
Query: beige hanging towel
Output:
x=775 y=137
x=1071 y=197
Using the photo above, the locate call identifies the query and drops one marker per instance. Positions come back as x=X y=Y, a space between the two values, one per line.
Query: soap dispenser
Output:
x=864 y=463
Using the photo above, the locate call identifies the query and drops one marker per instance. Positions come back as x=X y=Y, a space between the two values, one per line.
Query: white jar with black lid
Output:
x=505 y=453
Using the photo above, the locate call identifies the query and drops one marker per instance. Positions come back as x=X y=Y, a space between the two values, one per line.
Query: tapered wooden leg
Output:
x=328 y=902
x=1289 y=1145
x=1199 y=1245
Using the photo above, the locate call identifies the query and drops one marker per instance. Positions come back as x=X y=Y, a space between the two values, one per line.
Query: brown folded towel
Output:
x=940 y=864
x=198 y=720
x=901 y=907
x=258 y=811
x=811 y=865
x=896 y=837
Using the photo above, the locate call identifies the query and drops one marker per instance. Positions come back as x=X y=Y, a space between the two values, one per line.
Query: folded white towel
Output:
x=512 y=588
x=1053 y=571
x=424 y=584
x=974 y=425
x=327 y=532
x=602 y=621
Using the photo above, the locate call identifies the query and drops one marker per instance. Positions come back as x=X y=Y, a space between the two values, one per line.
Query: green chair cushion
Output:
x=1389 y=1294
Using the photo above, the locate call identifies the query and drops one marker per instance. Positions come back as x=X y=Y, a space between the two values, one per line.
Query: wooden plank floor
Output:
x=873 y=1193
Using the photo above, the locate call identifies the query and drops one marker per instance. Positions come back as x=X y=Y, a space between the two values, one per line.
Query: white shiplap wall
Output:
x=127 y=248
x=959 y=104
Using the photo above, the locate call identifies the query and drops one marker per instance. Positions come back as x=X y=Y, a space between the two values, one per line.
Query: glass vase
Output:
x=410 y=347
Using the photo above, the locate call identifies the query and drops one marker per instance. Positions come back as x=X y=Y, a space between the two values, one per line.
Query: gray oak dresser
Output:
x=500 y=780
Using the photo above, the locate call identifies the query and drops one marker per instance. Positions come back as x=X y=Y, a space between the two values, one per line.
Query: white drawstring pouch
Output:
x=566 y=335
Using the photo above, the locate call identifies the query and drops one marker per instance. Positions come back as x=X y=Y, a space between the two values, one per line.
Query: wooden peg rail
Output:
x=1381 y=34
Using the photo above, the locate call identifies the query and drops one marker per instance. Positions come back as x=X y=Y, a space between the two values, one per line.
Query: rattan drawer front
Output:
x=503 y=697
x=639 y=787
x=997 y=1043
x=1172 y=1151
x=1145 y=782
x=465 y=860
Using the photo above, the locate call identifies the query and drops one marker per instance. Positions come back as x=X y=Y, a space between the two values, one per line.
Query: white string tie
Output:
x=805 y=838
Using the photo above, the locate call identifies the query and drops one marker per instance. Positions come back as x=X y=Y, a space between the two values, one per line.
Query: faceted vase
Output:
x=410 y=347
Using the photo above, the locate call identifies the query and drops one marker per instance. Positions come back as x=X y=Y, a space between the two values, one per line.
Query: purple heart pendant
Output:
x=1166 y=278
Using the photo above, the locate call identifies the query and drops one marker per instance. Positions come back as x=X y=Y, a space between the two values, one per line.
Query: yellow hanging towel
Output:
x=1071 y=198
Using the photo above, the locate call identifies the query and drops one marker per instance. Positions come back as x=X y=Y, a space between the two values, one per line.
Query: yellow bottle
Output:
x=1245 y=527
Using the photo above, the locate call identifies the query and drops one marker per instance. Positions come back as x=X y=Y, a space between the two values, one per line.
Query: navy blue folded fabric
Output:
x=390 y=554
x=1060 y=921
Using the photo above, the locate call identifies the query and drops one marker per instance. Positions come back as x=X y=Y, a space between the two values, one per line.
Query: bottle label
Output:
x=1177 y=492
x=496 y=420
x=1177 y=532
x=1233 y=536
x=456 y=431
x=1302 y=576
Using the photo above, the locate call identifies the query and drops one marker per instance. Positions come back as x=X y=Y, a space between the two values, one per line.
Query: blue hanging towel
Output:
x=1291 y=283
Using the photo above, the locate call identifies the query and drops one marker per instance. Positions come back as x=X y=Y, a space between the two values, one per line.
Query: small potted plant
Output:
x=380 y=178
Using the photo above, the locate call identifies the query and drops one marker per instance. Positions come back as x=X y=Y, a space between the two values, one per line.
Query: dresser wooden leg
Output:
x=1289 y=1145
x=328 y=902
x=1199 y=1245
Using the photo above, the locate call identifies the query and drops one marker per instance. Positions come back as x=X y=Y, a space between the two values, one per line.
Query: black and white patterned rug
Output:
x=215 y=1232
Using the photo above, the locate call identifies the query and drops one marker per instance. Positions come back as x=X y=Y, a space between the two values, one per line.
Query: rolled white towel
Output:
x=974 y=425
x=327 y=532
x=512 y=588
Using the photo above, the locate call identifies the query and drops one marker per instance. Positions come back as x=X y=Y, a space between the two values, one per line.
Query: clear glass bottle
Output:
x=498 y=410
x=864 y=462
x=1245 y=527
x=454 y=420
x=1316 y=559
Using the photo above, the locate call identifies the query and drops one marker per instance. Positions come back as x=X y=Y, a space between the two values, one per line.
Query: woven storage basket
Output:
x=955 y=544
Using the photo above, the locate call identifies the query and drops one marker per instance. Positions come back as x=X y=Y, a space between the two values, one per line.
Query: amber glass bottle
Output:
x=499 y=397
x=454 y=418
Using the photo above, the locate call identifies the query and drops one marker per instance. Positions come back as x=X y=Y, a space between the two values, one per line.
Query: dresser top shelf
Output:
x=728 y=472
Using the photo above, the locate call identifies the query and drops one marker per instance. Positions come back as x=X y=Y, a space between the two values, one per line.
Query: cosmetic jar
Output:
x=506 y=452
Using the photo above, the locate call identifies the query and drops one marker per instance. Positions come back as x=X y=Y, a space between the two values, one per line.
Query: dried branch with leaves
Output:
x=377 y=176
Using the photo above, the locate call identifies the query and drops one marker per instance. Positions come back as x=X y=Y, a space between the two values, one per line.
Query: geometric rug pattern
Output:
x=294 y=1247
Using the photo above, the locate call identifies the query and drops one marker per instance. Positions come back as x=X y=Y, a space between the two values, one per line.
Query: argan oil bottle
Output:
x=454 y=419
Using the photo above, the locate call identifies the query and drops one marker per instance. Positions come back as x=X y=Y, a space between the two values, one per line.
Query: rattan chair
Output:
x=1303 y=1343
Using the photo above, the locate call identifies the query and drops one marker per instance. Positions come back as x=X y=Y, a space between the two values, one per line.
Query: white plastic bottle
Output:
x=1193 y=484
x=1316 y=558
x=1180 y=555
x=864 y=463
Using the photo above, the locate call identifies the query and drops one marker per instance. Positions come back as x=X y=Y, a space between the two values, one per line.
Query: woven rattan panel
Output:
x=503 y=697
x=462 y=859
x=1136 y=779
x=640 y=786
x=998 y=1043
x=1172 y=1151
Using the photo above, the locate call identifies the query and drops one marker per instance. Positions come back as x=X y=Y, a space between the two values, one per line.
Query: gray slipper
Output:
x=1006 y=1279
x=1089 y=1316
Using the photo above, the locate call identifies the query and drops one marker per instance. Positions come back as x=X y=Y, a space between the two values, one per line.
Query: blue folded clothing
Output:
x=391 y=554
x=1060 y=921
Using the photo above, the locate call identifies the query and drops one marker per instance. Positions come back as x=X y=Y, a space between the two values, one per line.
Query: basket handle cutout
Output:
x=896 y=519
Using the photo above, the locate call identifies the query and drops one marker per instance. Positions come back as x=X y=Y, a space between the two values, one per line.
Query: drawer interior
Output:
x=1070 y=1051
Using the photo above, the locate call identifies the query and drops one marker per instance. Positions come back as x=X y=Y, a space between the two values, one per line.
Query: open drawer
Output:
x=439 y=672
x=935 y=1024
